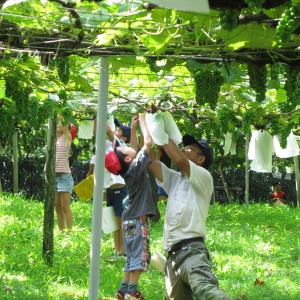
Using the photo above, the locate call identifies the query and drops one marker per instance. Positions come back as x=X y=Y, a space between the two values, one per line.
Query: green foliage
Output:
x=243 y=247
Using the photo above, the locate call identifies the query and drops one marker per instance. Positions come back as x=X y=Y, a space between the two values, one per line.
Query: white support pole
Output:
x=98 y=181
x=15 y=163
x=247 y=171
x=297 y=179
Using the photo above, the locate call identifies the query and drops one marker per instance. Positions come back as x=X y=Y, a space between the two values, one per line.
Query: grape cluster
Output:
x=226 y=118
x=208 y=85
x=67 y=115
x=151 y=61
x=247 y=119
x=63 y=68
x=229 y=18
x=284 y=132
x=292 y=85
x=33 y=117
x=255 y=3
x=19 y=94
x=274 y=71
x=258 y=79
x=289 y=22
x=7 y=126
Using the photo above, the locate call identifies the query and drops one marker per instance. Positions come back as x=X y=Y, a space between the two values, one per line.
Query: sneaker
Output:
x=119 y=295
x=136 y=296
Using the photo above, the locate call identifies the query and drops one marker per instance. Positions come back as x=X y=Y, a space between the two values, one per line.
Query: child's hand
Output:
x=134 y=121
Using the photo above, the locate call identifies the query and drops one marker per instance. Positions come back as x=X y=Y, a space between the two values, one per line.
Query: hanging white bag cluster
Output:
x=162 y=126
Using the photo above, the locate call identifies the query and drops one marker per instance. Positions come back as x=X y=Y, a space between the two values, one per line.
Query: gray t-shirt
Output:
x=137 y=181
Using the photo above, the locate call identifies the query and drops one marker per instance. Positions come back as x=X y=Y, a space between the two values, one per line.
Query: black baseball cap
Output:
x=207 y=151
x=126 y=129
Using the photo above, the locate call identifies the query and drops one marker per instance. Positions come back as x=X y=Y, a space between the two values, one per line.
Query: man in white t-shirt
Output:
x=188 y=268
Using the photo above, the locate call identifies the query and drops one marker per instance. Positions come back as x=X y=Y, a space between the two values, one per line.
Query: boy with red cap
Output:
x=132 y=166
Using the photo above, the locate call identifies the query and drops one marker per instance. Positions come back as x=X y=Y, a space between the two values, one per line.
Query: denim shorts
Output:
x=115 y=198
x=64 y=182
x=137 y=244
x=161 y=191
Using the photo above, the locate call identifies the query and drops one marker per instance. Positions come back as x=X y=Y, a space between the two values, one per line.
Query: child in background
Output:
x=278 y=196
x=92 y=164
x=116 y=192
x=132 y=166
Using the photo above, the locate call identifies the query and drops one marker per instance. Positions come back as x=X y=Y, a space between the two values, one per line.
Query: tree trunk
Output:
x=224 y=184
x=48 y=248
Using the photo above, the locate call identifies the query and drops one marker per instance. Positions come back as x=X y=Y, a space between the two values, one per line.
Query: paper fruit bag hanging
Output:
x=156 y=126
x=172 y=129
x=162 y=126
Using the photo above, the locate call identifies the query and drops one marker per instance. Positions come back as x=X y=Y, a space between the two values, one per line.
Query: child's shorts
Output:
x=115 y=198
x=64 y=182
x=161 y=191
x=137 y=244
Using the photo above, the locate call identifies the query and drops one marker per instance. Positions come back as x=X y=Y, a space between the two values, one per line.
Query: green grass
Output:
x=246 y=243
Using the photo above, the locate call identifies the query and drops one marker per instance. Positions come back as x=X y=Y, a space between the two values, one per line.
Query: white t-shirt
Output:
x=93 y=160
x=111 y=179
x=188 y=203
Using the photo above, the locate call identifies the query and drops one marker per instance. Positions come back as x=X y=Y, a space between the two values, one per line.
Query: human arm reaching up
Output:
x=133 y=137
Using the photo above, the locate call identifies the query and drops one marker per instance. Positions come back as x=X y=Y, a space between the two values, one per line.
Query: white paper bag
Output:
x=156 y=126
x=109 y=223
x=158 y=261
x=172 y=129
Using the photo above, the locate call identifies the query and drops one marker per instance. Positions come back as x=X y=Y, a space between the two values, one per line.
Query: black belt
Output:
x=183 y=243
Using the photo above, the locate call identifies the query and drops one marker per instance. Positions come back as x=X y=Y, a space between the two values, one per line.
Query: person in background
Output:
x=92 y=163
x=278 y=196
x=116 y=193
x=188 y=268
x=132 y=166
x=64 y=179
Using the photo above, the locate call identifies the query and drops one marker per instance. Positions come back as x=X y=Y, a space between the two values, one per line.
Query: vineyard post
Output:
x=297 y=179
x=247 y=170
x=15 y=162
x=95 y=251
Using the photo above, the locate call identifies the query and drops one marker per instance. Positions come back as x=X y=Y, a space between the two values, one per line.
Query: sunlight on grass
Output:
x=251 y=243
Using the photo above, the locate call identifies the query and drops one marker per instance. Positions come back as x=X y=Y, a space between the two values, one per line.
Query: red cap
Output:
x=73 y=131
x=112 y=163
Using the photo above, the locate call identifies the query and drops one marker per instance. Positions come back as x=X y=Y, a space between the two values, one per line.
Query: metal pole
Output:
x=247 y=171
x=98 y=181
x=297 y=179
x=15 y=163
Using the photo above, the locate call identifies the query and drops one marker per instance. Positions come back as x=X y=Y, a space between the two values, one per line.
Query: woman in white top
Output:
x=64 y=180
